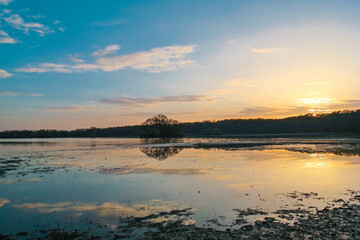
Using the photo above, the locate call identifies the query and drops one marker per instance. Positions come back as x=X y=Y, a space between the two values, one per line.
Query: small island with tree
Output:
x=161 y=126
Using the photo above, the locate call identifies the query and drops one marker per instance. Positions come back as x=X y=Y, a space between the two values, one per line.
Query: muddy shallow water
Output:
x=135 y=188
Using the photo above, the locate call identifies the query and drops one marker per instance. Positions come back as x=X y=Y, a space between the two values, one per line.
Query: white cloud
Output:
x=4 y=74
x=56 y=22
x=47 y=67
x=107 y=50
x=18 y=23
x=5 y=2
x=156 y=60
x=61 y=29
x=12 y=94
x=267 y=50
x=5 y=38
x=75 y=58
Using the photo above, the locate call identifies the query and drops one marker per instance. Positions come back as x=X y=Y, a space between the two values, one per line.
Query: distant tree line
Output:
x=341 y=121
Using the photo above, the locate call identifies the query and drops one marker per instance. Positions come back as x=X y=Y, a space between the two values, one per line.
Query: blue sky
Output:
x=72 y=64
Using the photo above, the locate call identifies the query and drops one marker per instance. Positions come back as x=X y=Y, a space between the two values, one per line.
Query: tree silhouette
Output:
x=161 y=126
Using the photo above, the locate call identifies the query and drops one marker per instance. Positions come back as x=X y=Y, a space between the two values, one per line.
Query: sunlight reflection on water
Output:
x=54 y=180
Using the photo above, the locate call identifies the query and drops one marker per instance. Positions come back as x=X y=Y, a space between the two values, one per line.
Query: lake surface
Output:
x=103 y=185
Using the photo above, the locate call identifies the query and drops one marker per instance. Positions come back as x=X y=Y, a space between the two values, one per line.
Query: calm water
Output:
x=82 y=183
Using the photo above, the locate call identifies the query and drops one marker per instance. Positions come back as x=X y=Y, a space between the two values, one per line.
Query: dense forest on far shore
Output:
x=341 y=121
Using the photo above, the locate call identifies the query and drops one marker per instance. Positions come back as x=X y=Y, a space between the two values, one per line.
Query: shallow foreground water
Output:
x=136 y=188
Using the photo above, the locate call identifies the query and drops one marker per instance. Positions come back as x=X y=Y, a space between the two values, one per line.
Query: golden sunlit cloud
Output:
x=317 y=104
x=316 y=100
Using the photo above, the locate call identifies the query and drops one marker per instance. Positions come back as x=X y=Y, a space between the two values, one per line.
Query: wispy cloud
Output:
x=267 y=50
x=36 y=16
x=316 y=83
x=222 y=91
x=11 y=94
x=5 y=38
x=18 y=22
x=256 y=111
x=141 y=102
x=5 y=2
x=4 y=74
x=162 y=59
x=47 y=67
x=156 y=60
x=242 y=82
x=69 y=108
x=75 y=58
x=110 y=23
x=316 y=100
x=107 y=50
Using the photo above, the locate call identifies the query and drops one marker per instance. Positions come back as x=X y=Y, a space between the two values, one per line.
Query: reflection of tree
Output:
x=161 y=153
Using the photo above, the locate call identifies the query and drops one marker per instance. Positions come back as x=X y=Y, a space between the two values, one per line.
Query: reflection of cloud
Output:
x=140 y=102
x=107 y=209
x=317 y=164
x=140 y=169
x=3 y=201
x=243 y=186
x=168 y=58
x=10 y=181
x=224 y=177
x=161 y=153
x=35 y=16
x=5 y=2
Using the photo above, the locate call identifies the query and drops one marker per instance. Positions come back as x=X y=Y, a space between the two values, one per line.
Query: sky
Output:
x=79 y=64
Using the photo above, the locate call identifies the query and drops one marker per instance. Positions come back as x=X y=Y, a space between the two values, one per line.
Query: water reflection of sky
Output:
x=106 y=179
